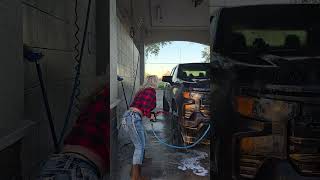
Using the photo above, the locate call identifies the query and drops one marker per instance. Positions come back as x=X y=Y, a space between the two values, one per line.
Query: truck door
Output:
x=168 y=86
x=175 y=84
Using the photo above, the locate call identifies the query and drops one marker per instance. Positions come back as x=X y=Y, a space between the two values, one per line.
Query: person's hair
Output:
x=150 y=81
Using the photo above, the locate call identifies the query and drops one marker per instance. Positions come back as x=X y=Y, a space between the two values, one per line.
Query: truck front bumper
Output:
x=196 y=121
x=194 y=128
x=284 y=170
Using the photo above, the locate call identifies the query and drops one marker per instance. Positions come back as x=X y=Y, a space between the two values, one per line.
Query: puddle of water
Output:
x=193 y=163
x=161 y=118
x=158 y=127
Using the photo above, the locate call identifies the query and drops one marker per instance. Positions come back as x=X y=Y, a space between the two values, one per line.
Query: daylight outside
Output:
x=177 y=143
x=121 y=89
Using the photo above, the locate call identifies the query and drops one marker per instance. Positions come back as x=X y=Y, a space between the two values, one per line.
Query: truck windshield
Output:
x=284 y=30
x=188 y=72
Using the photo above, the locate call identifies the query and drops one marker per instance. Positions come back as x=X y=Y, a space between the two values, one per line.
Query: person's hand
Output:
x=153 y=117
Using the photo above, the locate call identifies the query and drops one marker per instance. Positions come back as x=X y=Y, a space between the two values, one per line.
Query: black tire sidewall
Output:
x=165 y=104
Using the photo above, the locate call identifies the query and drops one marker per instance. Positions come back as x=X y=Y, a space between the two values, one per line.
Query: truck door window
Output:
x=174 y=75
x=171 y=74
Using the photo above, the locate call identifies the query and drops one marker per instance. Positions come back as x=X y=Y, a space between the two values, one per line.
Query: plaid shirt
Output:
x=145 y=100
x=92 y=129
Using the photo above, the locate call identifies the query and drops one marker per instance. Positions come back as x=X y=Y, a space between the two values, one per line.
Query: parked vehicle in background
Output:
x=186 y=96
x=266 y=58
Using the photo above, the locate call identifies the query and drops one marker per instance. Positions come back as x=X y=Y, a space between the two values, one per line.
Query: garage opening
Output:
x=177 y=143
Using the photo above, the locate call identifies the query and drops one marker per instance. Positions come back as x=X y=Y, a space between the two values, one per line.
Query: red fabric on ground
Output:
x=92 y=129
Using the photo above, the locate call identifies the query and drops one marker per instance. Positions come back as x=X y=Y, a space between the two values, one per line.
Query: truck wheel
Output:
x=177 y=136
x=222 y=148
x=174 y=108
x=215 y=159
x=165 y=104
x=221 y=158
x=225 y=121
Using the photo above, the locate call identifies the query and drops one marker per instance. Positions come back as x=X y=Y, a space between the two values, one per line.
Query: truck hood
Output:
x=299 y=72
x=197 y=85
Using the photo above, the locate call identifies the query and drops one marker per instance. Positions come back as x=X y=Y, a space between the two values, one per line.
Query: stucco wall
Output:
x=128 y=65
x=124 y=57
x=113 y=51
x=124 y=60
x=113 y=84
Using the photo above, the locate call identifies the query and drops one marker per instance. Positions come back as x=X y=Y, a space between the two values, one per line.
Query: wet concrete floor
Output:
x=165 y=162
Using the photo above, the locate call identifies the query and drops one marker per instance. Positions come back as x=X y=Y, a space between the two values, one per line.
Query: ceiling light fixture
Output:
x=197 y=2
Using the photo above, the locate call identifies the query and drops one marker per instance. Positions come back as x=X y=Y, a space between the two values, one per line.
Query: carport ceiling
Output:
x=164 y=20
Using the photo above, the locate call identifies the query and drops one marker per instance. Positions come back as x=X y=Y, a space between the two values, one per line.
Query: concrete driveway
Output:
x=165 y=162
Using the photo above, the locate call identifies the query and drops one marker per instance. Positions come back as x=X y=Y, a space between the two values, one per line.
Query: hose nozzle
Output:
x=119 y=78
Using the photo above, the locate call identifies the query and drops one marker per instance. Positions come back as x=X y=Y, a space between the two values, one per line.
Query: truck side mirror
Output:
x=167 y=79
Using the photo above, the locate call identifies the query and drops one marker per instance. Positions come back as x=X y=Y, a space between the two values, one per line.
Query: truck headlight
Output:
x=188 y=110
x=192 y=95
x=254 y=149
x=186 y=95
x=260 y=145
x=263 y=109
x=191 y=103
x=195 y=96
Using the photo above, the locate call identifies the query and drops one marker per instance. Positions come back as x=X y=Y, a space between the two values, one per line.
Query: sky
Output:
x=173 y=54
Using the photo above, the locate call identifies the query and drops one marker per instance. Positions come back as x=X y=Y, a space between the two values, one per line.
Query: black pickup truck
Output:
x=266 y=58
x=186 y=96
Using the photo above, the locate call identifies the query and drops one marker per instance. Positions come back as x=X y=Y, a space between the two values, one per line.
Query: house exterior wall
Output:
x=11 y=67
x=124 y=62
x=48 y=27
x=11 y=91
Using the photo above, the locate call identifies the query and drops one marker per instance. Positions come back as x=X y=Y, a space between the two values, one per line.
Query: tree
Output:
x=167 y=73
x=146 y=74
x=155 y=48
x=206 y=54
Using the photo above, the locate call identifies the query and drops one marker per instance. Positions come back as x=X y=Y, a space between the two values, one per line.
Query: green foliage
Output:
x=161 y=85
x=206 y=54
x=155 y=48
x=146 y=75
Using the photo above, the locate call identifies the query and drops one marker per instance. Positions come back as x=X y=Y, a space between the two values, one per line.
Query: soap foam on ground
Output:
x=193 y=163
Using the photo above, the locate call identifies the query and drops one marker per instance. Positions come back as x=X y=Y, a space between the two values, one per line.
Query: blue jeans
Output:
x=68 y=167
x=132 y=124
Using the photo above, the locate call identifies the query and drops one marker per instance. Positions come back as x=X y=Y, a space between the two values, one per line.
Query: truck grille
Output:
x=304 y=141
x=305 y=155
x=205 y=100
x=296 y=140
x=249 y=165
x=308 y=164
x=205 y=105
